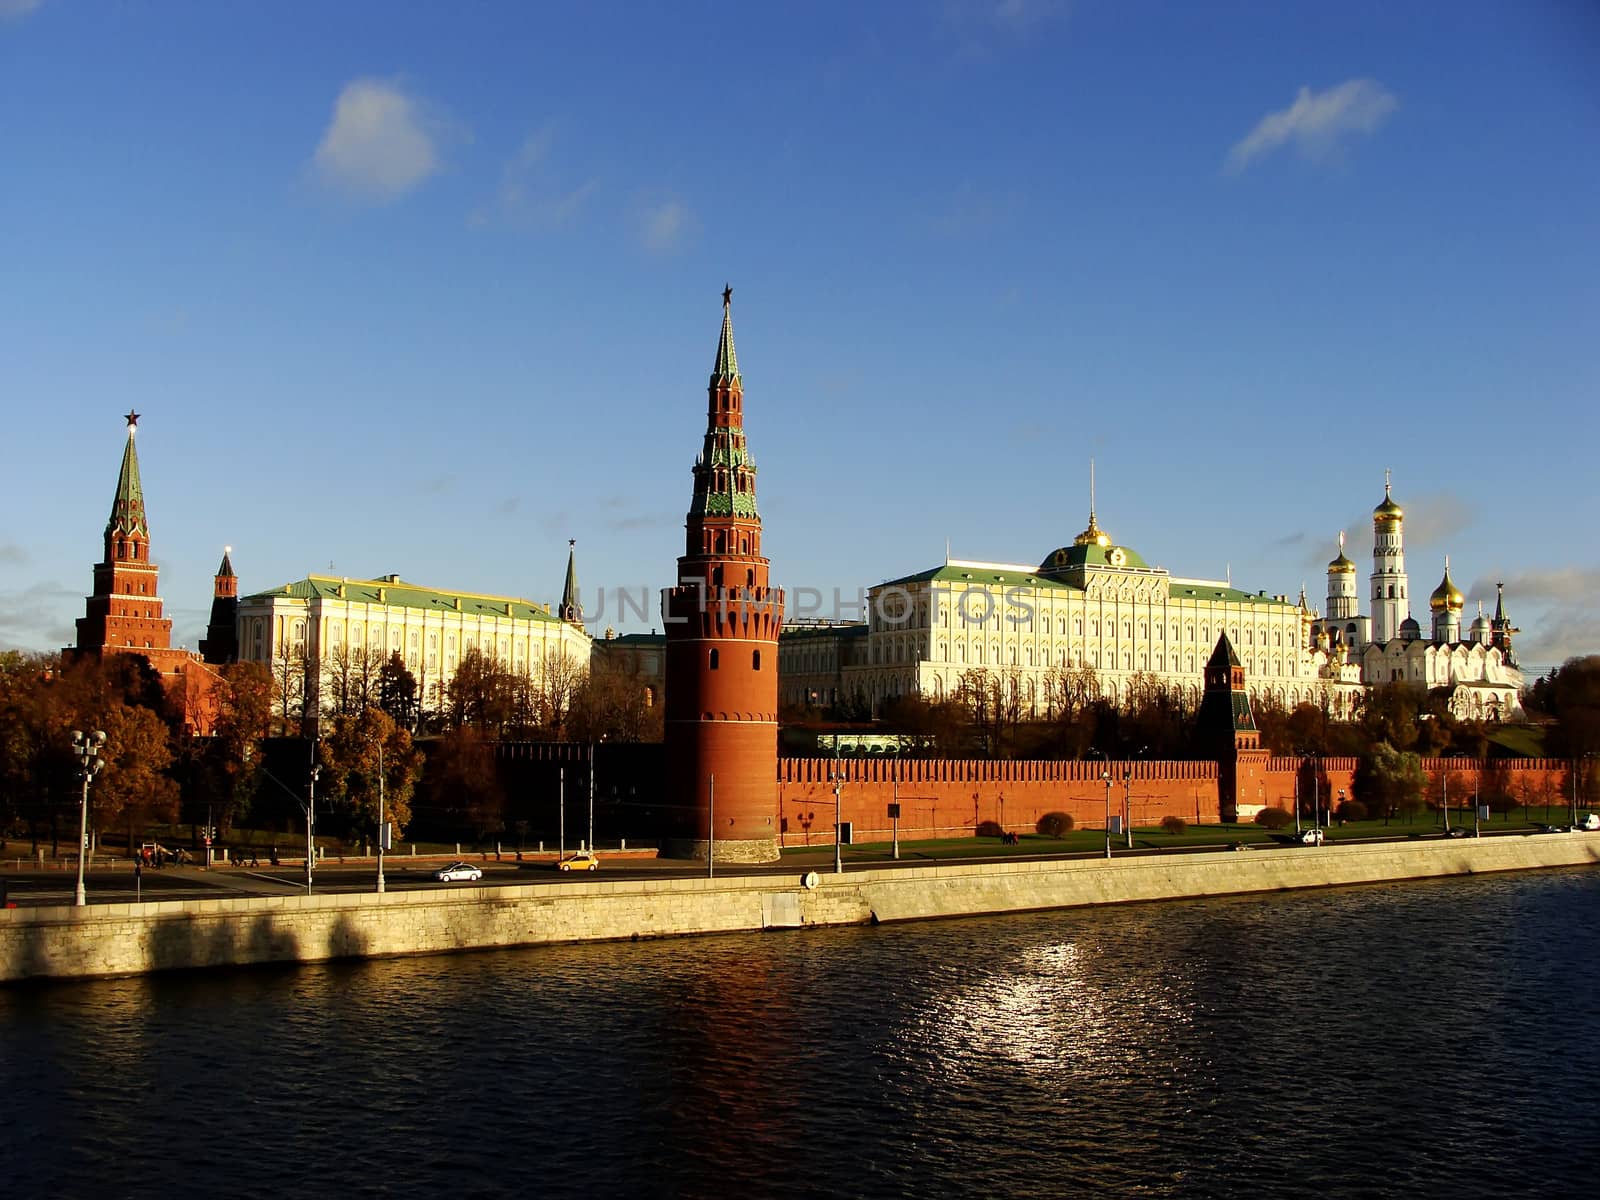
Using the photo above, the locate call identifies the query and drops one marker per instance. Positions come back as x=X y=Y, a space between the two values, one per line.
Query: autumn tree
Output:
x=368 y=760
x=293 y=690
x=613 y=706
x=398 y=693
x=350 y=675
x=134 y=789
x=243 y=722
x=481 y=693
x=1389 y=781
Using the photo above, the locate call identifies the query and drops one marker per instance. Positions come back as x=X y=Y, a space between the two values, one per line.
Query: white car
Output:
x=458 y=871
x=1311 y=837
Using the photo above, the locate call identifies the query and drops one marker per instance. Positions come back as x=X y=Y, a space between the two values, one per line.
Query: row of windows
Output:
x=714 y=661
x=1025 y=624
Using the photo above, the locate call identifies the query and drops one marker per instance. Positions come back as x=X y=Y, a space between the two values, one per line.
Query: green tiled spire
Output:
x=127 y=510
x=727 y=368
x=571 y=610
x=725 y=474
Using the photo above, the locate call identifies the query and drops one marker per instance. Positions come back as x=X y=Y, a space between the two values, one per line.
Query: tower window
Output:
x=713 y=658
x=755 y=660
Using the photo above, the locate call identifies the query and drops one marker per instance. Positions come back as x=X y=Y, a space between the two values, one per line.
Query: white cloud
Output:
x=1316 y=122
x=15 y=10
x=1022 y=14
x=666 y=226
x=526 y=197
x=380 y=143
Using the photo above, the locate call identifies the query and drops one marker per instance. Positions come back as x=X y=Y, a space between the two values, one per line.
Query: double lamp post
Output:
x=87 y=748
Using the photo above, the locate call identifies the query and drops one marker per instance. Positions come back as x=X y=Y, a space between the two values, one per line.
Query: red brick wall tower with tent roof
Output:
x=722 y=622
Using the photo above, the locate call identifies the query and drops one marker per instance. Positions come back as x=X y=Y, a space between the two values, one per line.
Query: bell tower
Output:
x=1390 y=604
x=722 y=622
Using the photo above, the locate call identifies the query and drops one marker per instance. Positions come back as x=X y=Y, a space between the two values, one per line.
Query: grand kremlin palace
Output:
x=1096 y=606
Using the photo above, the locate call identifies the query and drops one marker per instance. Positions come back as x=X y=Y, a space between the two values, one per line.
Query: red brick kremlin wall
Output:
x=951 y=797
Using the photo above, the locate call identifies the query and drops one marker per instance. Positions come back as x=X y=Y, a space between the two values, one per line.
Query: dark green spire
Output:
x=127 y=510
x=727 y=368
x=571 y=610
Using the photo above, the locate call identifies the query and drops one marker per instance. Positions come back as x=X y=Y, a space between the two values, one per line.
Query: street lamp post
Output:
x=894 y=804
x=838 y=810
x=1106 y=775
x=87 y=748
x=382 y=832
x=1127 y=803
x=311 y=809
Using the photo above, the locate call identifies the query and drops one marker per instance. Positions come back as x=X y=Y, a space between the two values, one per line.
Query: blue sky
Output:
x=431 y=288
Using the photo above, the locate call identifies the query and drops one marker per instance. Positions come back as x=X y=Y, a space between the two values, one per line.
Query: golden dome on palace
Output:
x=1092 y=536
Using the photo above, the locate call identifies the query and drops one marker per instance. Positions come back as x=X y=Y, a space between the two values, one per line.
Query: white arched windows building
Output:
x=1091 y=605
x=323 y=621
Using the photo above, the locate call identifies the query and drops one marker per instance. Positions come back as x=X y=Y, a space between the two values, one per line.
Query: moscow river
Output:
x=1428 y=1039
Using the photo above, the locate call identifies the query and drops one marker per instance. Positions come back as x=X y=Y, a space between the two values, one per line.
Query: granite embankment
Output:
x=125 y=939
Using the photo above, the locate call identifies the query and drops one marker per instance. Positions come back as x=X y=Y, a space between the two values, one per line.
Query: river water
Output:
x=1431 y=1038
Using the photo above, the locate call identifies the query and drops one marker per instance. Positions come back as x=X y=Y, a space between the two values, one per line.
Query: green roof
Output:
x=793 y=632
x=394 y=592
x=999 y=576
x=1092 y=554
x=1183 y=589
x=980 y=575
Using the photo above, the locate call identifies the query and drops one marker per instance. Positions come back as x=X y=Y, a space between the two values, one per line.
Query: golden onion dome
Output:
x=1341 y=565
x=1446 y=595
x=1388 y=510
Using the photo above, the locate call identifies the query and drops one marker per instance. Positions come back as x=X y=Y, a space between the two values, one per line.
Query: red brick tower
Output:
x=221 y=642
x=124 y=616
x=722 y=625
x=1227 y=728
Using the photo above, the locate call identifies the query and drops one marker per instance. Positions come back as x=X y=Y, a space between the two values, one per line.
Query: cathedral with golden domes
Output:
x=1387 y=645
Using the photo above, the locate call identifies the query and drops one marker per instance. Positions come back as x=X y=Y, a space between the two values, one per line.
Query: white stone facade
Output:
x=320 y=617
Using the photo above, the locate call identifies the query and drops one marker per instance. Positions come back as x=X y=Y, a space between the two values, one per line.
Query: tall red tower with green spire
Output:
x=722 y=622
x=124 y=616
x=125 y=612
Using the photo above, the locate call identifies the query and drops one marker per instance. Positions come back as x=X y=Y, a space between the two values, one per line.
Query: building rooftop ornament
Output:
x=1447 y=595
x=1388 y=511
x=127 y=507
x=727 y=366
x=571 y=609
x=1341 y=565
x=1094 y=535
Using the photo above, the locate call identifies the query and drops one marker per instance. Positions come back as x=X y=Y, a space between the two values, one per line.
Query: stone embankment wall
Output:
x=951 y=797
x=122 y=939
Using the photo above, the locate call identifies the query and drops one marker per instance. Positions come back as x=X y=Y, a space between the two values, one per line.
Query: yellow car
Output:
x=581 y=861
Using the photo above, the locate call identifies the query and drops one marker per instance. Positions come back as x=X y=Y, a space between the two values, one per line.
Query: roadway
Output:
x=29 y=886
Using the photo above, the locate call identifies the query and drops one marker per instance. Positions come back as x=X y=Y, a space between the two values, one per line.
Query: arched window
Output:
x=714 y=656
x=755 y=660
